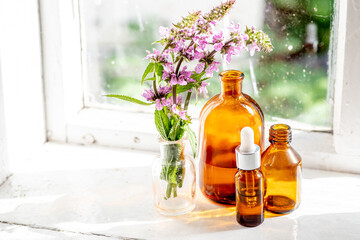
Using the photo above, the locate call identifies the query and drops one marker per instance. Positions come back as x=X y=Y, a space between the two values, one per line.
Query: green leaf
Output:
x=149 y=69
x=160 y=126
x=174 y=130
x=198 y=76
x=158 y=72
x=150 y=79
x=165 y=120
x=204 y=79
x=181 y=89
x=192 y=138
x=129 y=99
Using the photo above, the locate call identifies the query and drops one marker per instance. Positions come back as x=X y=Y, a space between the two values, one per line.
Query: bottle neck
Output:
x=231 y=83
x=280 y=134
x=231 y=88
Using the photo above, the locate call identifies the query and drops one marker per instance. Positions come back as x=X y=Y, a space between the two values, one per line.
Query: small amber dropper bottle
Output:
x=249 y=181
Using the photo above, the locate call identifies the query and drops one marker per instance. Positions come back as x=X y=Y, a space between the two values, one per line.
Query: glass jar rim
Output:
x=280 y=133
x=231 y=74
x=162 y=141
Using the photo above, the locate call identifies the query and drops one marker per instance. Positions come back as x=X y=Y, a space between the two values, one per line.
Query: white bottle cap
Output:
x=247 y=154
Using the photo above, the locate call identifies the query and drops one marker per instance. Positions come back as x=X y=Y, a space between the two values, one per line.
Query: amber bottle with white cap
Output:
x=249 y=181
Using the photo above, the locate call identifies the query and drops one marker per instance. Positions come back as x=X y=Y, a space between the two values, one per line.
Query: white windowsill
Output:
x=102 y=193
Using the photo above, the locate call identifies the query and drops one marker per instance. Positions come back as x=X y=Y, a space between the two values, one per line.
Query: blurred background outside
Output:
x=289 y=83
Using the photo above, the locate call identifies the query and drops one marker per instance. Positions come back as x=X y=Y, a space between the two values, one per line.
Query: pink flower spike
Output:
x=212 y=67
x=252 y=48
x=199 y=68
x=182 y=115
x=175 y=110
x=164 y=31
x=178 y=100
x=228 y=58
x=245 y=36
x=156 y=55
x=209 y=72
x=198 y=55
x=148 y=95
x=164 y=90
x=148 y=54
x=158 y=105
x=218 y=46
x=167 y=102
x=181 y=80
x=217 y=37
x=186 y=74
x=203 y=87
x=213 y=22
x=235 y=28
x=173 y=80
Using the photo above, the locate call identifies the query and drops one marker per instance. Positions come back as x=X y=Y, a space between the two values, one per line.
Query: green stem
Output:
x=174 y=94
x=187 y=100
x=154 y=82
x=172 y=168
x=154 y=86
x=177 y=71
x=174 y=191
x=168 y=190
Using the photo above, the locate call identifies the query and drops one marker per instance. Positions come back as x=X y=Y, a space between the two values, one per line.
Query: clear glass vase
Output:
x=174 y=179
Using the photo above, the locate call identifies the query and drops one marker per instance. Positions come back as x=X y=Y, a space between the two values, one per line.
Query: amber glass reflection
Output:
x=249 y=197
x=281 y=166
x=221 y=121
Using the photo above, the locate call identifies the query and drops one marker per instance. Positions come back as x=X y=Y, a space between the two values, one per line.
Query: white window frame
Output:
x=68 y=120
x=22 y=116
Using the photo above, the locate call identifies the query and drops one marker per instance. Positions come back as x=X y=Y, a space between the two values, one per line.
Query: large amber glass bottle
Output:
x=221 y=121
x=281 y=166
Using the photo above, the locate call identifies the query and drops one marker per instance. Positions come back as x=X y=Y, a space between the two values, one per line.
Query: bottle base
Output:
x=249 y=220
x=280 y=204
x=230 y=200
x=175 y=206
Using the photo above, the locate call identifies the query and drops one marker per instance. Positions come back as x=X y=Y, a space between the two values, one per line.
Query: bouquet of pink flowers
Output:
x=192 y=40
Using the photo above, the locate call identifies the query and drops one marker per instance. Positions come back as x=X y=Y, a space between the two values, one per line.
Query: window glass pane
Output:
x=289 y=83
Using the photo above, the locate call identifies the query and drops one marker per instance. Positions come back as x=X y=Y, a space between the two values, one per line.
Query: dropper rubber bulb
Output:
x=247 y=140
x=248 y=155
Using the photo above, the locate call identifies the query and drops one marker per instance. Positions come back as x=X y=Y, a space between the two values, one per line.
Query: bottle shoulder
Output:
x=209 y=105
x=280 y=154
x=218 y=105
x=244 y=174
